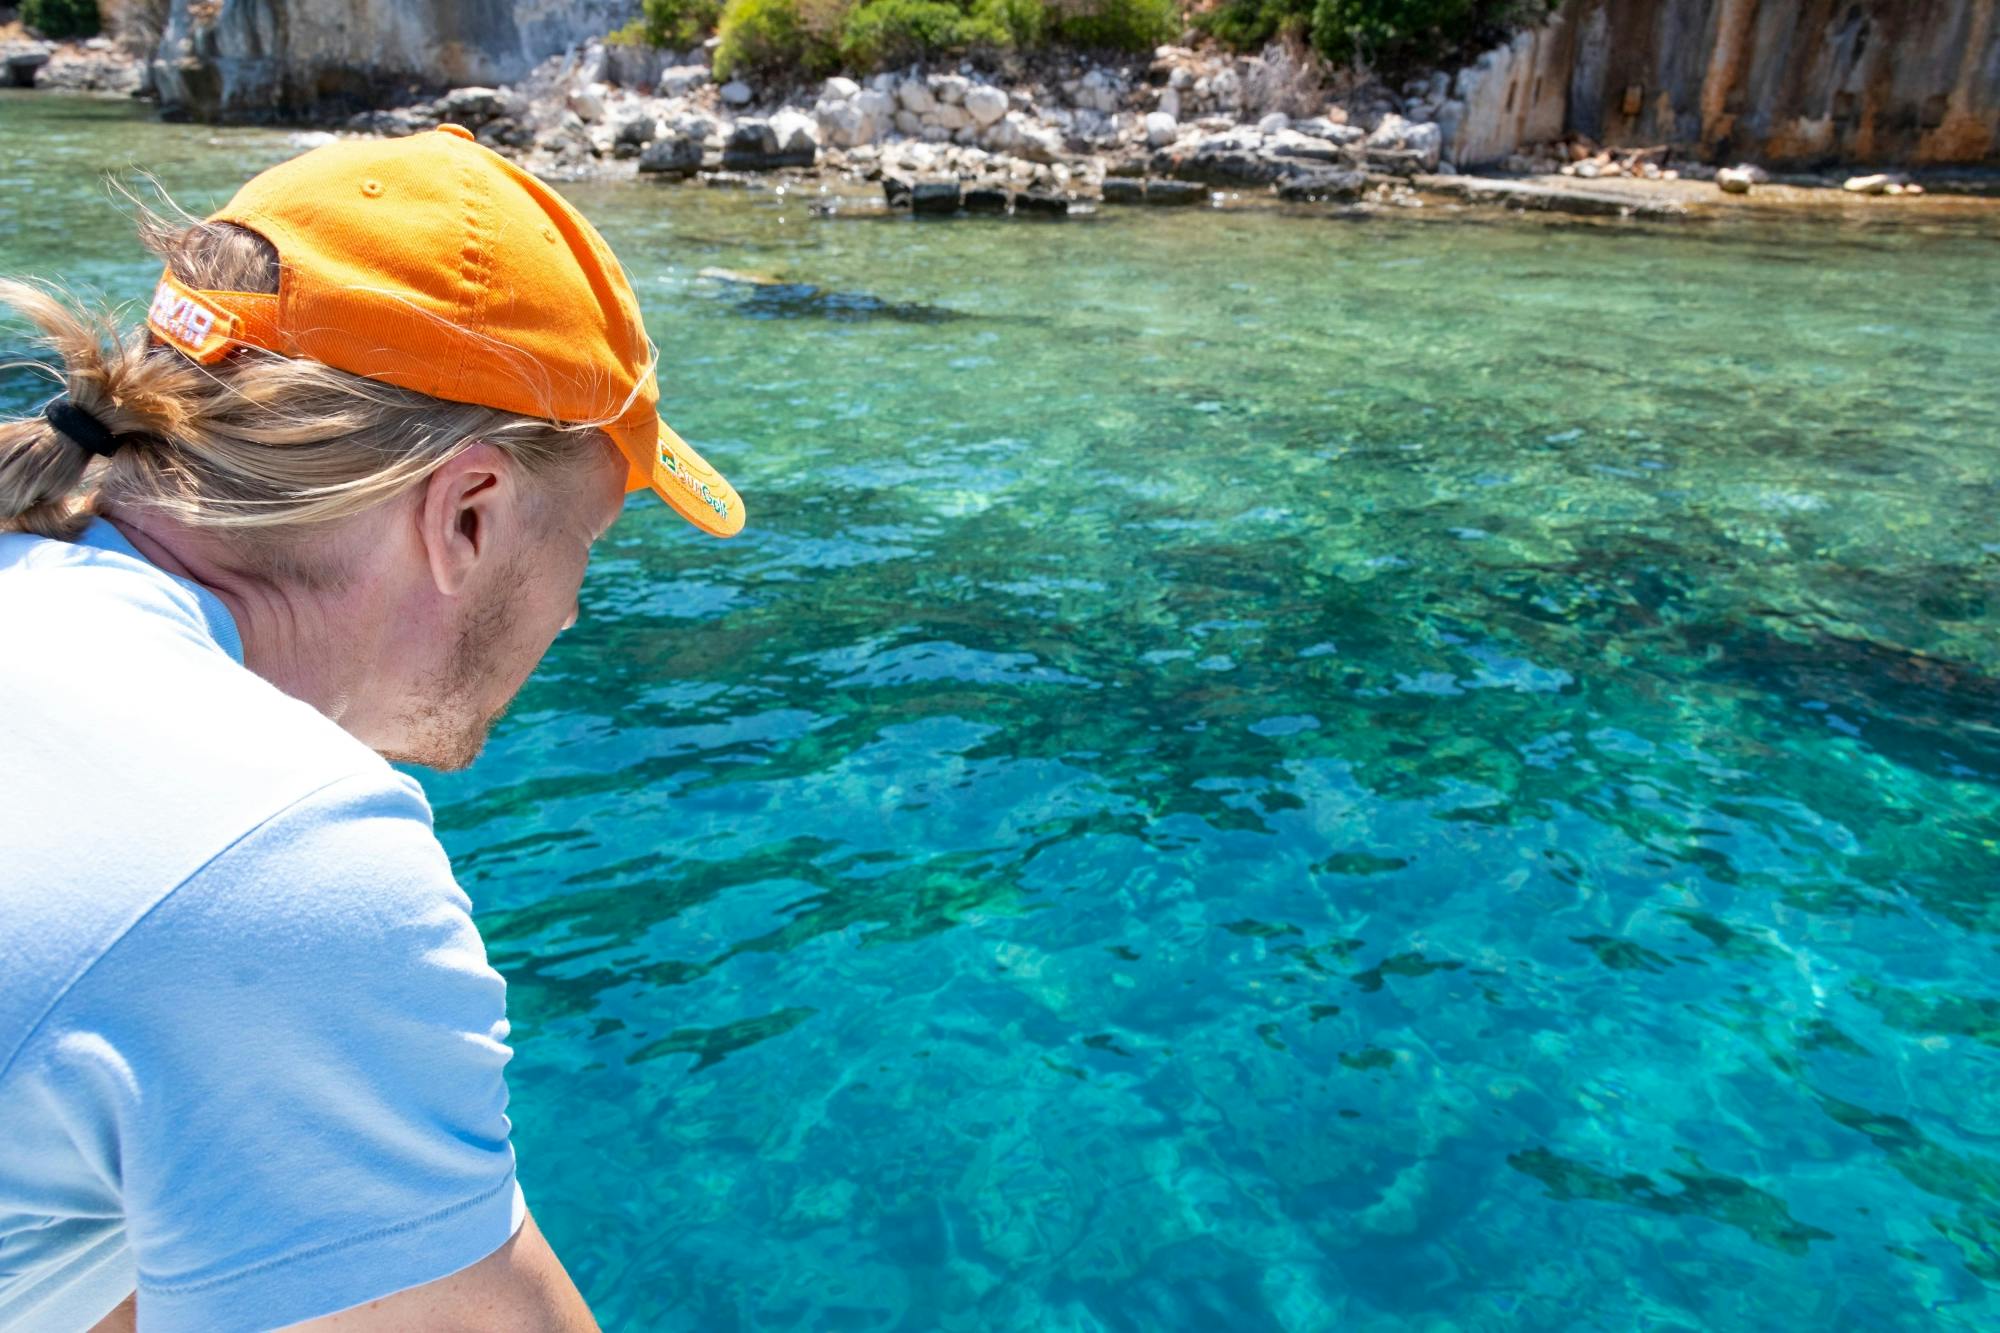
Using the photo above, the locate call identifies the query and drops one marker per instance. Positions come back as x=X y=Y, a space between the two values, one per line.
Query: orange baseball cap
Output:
x=432 y=263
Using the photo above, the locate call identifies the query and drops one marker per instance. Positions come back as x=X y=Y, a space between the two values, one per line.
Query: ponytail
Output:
x=42 y=470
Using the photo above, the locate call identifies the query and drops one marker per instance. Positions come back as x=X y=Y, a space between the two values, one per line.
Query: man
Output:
x=331 y=506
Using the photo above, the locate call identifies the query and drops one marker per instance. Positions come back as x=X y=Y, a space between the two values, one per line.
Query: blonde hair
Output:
x=265 y=448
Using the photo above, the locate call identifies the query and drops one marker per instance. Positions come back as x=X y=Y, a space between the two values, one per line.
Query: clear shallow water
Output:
x=1255 y=772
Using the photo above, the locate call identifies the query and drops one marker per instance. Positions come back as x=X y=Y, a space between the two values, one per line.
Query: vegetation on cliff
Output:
x=820 y=36
x=815 y=37
x=1390 y=36
x=61 y=18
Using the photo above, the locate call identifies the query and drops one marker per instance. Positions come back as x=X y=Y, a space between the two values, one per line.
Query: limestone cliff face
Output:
x=1777 y=81
x=253 y=59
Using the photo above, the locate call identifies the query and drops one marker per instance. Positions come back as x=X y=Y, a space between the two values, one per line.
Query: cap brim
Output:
x=695 y=491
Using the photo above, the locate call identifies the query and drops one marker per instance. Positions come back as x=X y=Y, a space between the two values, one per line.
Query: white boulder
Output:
x=1421 y=137
x=680 y=80
x=795 y=132
x=1161 y=129
x=737 y=93
x=985 y=104
x=915 y=95
x=1024 y=138
x=838 y=89
x=846 y=123
x=1319 y=127
x=1096 y=91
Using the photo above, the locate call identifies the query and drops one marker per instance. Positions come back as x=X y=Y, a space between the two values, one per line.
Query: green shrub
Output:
x=880 y=33
x=1390 y=36
x=779 y=36
x=1247 y=25
x=1117 y=25
x=1026 y=22
x=677 y=24
x=61 y=18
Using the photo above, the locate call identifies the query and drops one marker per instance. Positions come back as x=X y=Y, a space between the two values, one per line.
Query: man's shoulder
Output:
x=347 y=884
x=122 y=672
x=144 y=760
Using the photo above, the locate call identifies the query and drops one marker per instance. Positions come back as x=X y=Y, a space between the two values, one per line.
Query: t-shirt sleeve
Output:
x=296 y=1065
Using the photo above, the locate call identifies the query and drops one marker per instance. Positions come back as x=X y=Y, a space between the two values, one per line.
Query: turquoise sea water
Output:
x=1254 y=772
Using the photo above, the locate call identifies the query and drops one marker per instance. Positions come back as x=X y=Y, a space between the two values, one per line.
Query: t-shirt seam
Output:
x=316 y=1251
x=69 y=987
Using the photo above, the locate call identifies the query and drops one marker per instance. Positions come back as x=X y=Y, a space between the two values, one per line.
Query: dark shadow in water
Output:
x=1762 y=1217
x=710 y=1045
x=803 y=300
x=1972 y=1182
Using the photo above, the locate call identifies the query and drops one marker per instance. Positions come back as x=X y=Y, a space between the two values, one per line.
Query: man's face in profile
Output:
x=505 y=628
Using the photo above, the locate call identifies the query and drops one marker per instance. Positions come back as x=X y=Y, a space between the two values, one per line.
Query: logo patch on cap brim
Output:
x=684 y=480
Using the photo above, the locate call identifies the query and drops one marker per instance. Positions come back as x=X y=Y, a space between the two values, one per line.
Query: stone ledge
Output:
x=1538 y=196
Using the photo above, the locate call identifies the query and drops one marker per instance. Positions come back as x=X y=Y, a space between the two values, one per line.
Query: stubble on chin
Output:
x=445 y=727
x=437 y=740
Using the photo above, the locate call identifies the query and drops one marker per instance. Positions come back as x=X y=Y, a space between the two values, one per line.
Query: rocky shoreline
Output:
x=1163 y=131
x=1184 y=127
x=1048 y=138
x=97 y=65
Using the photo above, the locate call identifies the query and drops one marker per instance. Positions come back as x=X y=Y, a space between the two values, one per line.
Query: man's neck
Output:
x=291 y=637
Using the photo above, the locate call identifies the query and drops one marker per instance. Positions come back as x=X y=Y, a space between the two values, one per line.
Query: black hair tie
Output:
x=81 y=426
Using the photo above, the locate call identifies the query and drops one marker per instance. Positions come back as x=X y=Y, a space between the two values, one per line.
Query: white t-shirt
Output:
x=251 y=1052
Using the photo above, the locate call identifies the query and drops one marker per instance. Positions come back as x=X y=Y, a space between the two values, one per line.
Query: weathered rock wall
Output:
x=1780 y=81
x=256 y=59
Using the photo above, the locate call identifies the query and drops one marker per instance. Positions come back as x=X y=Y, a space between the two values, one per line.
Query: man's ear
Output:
x=465 y=512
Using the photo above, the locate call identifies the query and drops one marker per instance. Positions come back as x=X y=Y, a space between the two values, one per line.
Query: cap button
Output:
x=459 y=130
